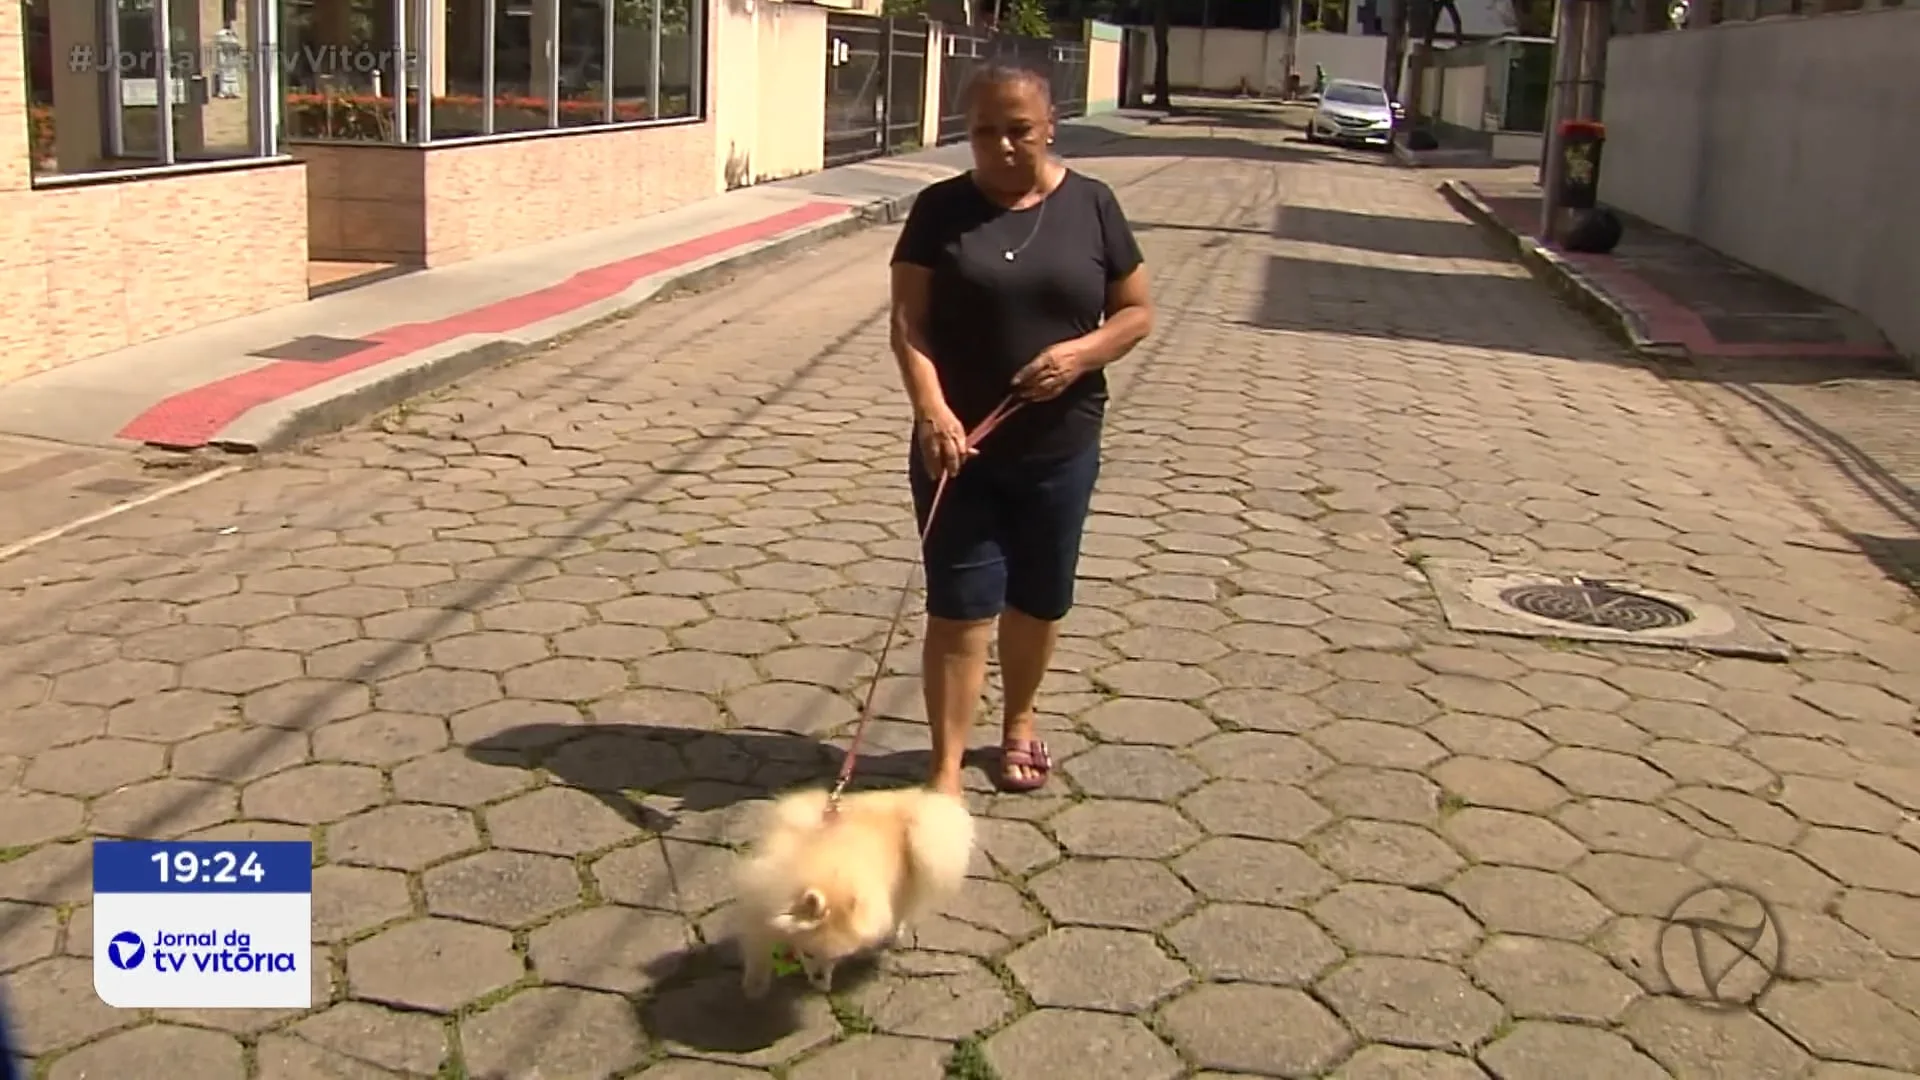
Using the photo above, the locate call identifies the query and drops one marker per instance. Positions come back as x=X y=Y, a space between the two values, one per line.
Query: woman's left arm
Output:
x=1129 y=314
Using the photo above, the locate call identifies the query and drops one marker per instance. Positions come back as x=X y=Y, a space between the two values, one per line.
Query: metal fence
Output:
x=876 y=86
x=1063 y=62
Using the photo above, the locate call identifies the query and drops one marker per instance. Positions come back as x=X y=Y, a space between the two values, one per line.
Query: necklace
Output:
x=1038 y=220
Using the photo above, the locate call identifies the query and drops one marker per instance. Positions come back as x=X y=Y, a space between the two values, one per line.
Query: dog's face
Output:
x=824 y=927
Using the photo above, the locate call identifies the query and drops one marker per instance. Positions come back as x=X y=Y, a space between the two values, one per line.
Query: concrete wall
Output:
x=94 y=266
x=1104 y=45
x=770 y=90
x=1220 y=60
x=1790 y=144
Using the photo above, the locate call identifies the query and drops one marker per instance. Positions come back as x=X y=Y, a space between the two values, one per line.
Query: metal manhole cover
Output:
x=1595 y=604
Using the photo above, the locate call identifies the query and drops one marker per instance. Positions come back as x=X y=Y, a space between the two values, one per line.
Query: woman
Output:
x=1018 y=278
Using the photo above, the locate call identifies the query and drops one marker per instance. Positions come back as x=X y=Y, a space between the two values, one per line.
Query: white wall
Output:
x=1220 y=59
x=1790 y=144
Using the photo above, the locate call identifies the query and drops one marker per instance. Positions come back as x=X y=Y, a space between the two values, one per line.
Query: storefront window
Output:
x=470 y=68
x=98 y=72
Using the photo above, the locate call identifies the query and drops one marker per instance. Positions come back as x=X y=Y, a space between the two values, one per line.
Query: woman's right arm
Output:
x=910 y=285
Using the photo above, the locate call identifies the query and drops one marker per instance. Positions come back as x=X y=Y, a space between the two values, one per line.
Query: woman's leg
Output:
x=1026 y=651
x=953 y=673
x=966 y=587
x=1048 y=517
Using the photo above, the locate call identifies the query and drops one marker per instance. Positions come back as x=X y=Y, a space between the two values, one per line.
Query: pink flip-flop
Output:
x=1029 y=754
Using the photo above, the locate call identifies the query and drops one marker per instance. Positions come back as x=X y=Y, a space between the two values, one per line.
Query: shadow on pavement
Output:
x=1347 y=299
x=661 y=777
x=1433 y=239
x=1896 y=557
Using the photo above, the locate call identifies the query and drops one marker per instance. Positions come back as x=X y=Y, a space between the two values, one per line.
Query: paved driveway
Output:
x=520 y=661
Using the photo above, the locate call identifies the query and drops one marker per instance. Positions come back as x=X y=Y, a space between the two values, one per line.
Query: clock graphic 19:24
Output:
x=220 y=868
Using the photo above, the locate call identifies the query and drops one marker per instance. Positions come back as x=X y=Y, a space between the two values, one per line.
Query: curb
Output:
x=401 y=380
x=1559 y=274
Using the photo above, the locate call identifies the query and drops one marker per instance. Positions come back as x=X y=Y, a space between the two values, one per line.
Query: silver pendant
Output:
x=1009 y=255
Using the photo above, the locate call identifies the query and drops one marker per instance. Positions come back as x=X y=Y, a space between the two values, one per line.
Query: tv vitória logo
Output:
x=126 y=950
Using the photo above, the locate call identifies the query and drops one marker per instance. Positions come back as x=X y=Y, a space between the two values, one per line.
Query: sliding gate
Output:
x=876 y=86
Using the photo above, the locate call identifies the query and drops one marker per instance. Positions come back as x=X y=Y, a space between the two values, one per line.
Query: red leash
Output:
x=993 y=420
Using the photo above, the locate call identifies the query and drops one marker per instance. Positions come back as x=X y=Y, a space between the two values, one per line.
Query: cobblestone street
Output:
x=521 y=657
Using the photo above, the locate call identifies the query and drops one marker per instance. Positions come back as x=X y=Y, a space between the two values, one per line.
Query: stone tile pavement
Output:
x=521 y=658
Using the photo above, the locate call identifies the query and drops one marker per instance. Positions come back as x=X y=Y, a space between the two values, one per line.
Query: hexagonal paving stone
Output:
x=1121 y=829
x=1249 y=943
x=1538 y=978
x=1845 y=1021
x=348 y=900
x=437 y=965
x=156 y=1050
x=1504 y=785
x=1133 y=772
x=1397 y=921
x=94 y=767
x=451 y=778
x=557 y=821
x=313 y=794
x=1690 y=1041
x=877 y=1056
x=406 y=837
x=1781 y=876
x=1411 y=1003
x=1378 y=794
x=1863 y=860
x=1517 y=900
x=1370 y=742
x=502 y=888
x=114 y=682
x=1247 y=1028
x=1628 y=827
x=241 y=671
x=171 y=715
x=1260 y=811
x=401 y=1041
x=165 y=808
x=436 y=692
x=1397 y=1063
x=1539 y=1048
x=1105 y=970
x=1253 y=871
x=1148 y=722
x=1501 y=836
x=28 y=818
x=1050 y=1043
x=1386 y=851
x=705 y=1019
x=1123 y=893
x=1839 y=803
x=932 y=995
x=1156 y=679
x=554 y=1031
x=1605 y=774
x=1892 y=921
x=614 y=948
x=380 y=738
x=1261 y=756
x=52 y=1005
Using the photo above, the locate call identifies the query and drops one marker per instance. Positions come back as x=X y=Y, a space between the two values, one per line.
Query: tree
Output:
x=1027 y=18
x=1162 y=32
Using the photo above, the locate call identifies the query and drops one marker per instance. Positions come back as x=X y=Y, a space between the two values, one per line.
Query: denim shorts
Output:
x=1007 y=535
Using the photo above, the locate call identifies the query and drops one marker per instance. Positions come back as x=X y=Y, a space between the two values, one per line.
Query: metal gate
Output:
x=1063 y=63
x=905 y=63
x=856 y=103
x=876 y=86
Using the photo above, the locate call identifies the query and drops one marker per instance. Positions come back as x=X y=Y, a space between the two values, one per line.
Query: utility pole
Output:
x=1567 y=25
x=1292 y=52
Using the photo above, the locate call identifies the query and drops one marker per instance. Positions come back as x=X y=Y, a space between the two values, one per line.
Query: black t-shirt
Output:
x=989 y=316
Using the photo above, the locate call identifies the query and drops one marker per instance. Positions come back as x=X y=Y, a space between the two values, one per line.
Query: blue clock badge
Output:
x=203 y=924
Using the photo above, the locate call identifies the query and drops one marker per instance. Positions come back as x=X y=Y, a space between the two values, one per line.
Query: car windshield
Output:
x=1355 y=94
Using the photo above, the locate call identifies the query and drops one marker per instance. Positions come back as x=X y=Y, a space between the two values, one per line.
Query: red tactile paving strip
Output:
x=187 y=420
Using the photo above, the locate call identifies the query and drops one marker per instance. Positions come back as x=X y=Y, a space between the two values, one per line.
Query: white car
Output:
x=1352 y=112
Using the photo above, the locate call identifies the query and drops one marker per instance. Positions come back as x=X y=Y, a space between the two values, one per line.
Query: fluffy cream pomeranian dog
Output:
x=825 y=889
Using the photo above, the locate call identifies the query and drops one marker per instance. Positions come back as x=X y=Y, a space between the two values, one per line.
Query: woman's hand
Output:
x=1049 y=374
x=943 y=441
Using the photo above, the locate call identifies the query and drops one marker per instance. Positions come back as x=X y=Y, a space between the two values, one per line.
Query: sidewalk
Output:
x=267 y=380
x=1802 y=384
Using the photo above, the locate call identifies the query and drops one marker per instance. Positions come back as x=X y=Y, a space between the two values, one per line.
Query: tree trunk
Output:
x=1425 y=20
x=1396 y=48
x=1162 y=32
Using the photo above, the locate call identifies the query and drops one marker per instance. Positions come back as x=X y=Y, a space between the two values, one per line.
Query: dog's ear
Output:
x=808 y=912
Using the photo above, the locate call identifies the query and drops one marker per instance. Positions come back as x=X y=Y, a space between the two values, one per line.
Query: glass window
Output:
x=338 y=63
x=1355 y=94
x=493 y=67
x=98 y=72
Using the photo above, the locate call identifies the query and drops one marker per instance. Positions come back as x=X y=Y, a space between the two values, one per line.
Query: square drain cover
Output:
x=1487 y=598
x=314 y=349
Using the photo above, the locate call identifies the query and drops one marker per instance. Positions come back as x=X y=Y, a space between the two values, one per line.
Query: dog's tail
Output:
x=940 y=841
